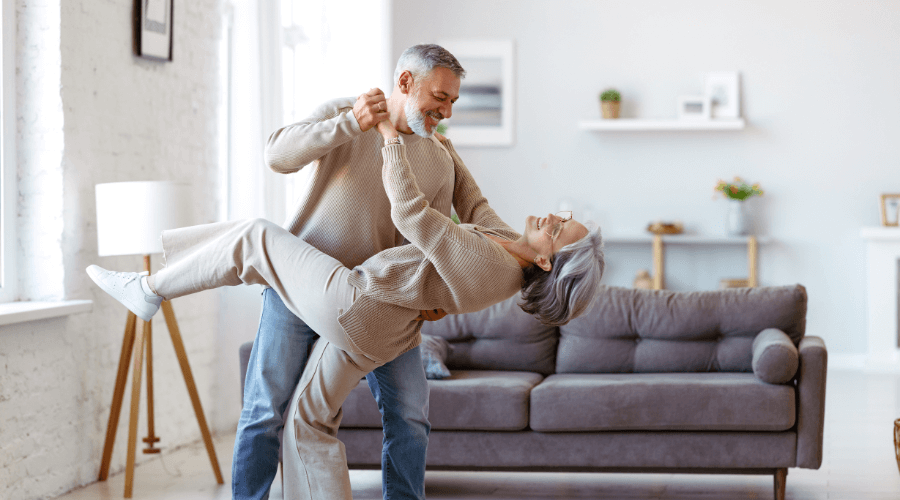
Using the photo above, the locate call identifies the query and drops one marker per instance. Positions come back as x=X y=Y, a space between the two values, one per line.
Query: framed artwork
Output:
x=890 y=209
x=483 y=115
x=724 y=93
x=693 y=108
x=154 y=29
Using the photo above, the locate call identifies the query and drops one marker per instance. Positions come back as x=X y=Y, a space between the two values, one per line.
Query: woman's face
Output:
x=547 y=235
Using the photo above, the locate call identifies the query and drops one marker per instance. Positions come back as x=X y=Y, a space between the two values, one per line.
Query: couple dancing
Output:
x=345 y=298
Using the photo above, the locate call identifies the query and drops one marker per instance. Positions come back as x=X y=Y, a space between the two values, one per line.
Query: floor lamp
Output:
x=151 y=208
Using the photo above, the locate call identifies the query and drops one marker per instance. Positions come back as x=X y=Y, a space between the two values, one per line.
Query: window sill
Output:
x=21 y=312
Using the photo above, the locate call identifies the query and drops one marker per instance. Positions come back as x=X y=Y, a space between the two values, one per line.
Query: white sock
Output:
x=146 y=287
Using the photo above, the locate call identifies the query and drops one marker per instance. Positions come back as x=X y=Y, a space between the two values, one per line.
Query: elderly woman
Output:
x=370 y=314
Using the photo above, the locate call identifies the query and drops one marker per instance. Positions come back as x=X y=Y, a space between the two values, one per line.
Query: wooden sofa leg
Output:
x=780 y=481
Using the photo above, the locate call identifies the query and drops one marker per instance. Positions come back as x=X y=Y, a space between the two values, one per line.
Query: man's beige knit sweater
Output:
x=346 y=212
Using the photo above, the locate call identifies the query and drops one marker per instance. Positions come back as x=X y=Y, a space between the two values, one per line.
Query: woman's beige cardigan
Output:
x=447 y=266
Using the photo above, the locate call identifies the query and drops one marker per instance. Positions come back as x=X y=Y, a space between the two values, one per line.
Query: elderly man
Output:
x=346 y=214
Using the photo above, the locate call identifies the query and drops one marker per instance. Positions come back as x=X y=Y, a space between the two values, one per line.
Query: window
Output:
x=8 y=153
x=331 y=48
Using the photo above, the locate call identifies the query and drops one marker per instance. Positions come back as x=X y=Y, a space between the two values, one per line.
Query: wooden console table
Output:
x=659 y=243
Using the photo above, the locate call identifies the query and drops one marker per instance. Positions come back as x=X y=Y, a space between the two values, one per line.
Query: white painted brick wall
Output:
x=91 y=112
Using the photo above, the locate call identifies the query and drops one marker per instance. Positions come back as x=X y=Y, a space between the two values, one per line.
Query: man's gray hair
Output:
x=565 y=292
x=422 y=59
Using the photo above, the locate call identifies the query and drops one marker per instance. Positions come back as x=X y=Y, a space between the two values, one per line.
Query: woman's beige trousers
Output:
x=313 y=286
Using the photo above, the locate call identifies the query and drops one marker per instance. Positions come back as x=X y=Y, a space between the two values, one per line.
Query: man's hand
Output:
x=432 y=315
x=370 y=108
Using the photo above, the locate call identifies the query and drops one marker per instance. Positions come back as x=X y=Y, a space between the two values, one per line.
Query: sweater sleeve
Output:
x=471 y=206
x=292 y=147
x=462 y=259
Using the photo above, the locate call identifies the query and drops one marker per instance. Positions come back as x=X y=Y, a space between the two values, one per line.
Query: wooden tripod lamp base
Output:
x=138 y=338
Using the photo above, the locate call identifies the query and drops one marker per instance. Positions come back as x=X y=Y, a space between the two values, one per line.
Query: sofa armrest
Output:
x=811 y=401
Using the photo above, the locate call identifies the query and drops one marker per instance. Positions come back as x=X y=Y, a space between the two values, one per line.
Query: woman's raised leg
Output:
x=312 y=284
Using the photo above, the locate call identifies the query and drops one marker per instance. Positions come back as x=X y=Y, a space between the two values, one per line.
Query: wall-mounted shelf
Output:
x=638 y=125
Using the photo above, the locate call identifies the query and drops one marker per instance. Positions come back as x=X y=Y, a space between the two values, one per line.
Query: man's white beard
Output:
x=415 y=118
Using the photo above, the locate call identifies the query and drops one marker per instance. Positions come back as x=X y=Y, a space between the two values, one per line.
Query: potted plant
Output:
x=737 y=223
x=609 y=103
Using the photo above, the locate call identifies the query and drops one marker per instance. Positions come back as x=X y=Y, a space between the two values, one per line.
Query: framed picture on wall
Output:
x=890 y=209
x=154 y=29
x=483 y=115
x=724 y=93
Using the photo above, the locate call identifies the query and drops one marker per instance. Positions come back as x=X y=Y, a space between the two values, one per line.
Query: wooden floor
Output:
x=859 y=464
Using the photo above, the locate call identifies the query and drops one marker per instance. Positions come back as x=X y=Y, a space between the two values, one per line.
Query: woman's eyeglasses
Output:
x=564 y=216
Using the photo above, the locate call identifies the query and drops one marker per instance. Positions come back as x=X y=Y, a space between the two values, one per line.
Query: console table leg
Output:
x=752 y=261
x=658 y=261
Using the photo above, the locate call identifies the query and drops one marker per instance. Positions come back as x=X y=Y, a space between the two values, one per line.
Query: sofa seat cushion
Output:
x=467 y=400
x=661 y=402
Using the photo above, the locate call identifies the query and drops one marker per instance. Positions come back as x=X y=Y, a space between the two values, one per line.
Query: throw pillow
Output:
x=775 y=357
x=434 y=356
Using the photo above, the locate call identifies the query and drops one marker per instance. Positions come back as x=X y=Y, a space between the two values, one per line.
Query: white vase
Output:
x=737 y=221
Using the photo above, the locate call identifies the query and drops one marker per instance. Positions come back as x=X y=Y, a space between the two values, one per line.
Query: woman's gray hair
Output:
x=422 y=59
x=565 y=292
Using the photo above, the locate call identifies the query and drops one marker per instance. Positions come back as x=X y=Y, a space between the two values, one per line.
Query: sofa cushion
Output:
x=661 y=402
x=501 y=337
x=775 y=357
x=482 y=400
x=659 y=331
x=467 y=400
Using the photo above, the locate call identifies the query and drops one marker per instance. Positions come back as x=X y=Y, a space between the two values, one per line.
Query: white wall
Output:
x=90 y=112
x=819 y=88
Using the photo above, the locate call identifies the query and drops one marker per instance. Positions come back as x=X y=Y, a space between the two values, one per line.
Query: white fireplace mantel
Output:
x=882 y=295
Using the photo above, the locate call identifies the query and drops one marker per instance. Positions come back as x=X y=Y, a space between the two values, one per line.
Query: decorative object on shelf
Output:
x=610 y=100
x=153 y=29
x=890 y=210
x=737 y=221
x=897 y=441
x=643 y=280
x=733 y=283
x=660 y=227
x=484 y=114
x=724 y=93
x=693 y=107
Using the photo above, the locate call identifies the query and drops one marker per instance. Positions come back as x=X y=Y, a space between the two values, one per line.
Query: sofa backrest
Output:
x=629 y=330
x=501 y=337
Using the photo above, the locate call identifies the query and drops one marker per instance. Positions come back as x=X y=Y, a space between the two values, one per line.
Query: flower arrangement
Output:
x=738 y=189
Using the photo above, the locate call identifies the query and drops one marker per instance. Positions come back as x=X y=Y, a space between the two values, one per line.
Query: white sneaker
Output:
x=126 y=288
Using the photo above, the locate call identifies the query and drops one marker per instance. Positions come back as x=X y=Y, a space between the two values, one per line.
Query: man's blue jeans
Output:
x=280 y=352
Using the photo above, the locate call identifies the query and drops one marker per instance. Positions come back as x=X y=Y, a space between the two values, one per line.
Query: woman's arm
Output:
x=456 y=263
x=471 y=206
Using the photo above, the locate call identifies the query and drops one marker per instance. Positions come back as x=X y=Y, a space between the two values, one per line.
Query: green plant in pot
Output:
x=609 y=103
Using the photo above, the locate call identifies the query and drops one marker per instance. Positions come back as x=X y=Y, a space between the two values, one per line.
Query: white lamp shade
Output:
x=131 y=215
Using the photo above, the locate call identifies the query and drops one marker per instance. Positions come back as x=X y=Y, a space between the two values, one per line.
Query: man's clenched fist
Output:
x=370 y=108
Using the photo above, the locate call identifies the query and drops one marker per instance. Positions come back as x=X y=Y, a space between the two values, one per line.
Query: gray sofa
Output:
x=647 y=381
